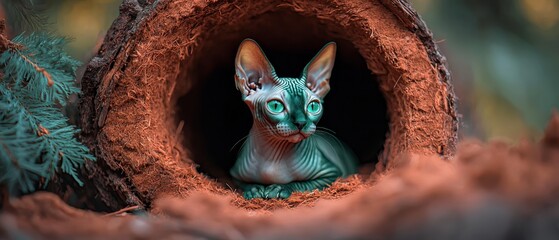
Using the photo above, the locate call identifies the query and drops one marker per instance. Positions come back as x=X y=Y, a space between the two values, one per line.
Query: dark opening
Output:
x=216 y=118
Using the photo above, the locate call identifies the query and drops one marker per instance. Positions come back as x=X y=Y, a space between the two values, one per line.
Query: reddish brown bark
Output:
x=145 y=63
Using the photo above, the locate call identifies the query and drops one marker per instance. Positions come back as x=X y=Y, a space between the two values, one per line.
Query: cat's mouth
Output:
x=298 y=136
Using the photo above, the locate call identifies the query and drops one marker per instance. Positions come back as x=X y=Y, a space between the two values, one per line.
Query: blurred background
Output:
x=503 y=55
x=504 y=59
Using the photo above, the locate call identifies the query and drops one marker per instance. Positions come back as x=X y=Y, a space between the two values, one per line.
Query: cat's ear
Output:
x=252 y=68
x=318 y=71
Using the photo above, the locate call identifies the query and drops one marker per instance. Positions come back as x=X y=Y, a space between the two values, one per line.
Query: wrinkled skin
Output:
x=284 y=152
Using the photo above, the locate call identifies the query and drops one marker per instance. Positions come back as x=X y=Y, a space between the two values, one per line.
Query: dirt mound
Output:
x=487 y=191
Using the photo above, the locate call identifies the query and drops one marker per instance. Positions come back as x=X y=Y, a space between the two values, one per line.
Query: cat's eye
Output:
x=313 y=107
x=275 y=106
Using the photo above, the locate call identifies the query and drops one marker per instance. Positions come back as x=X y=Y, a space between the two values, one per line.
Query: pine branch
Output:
x=36 y=140
x=41 y=59
x=18 y=151
x=24 y=15
x=37 y=68
x=4 y=42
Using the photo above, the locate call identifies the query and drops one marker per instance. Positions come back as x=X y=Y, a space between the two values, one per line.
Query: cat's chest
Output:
x=269 y=172
x=279 y=170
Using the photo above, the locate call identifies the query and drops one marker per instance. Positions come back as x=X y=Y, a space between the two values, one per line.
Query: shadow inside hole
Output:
x=216 y=118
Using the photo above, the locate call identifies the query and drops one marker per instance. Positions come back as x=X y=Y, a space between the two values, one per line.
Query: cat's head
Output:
x=285 y=108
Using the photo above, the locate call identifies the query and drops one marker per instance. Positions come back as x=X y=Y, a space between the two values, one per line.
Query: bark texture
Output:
x=130 y=89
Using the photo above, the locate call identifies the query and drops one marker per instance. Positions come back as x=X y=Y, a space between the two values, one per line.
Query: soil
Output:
x=487 y=191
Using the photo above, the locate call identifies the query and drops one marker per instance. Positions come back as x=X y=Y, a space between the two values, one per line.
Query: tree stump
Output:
x=159 y=97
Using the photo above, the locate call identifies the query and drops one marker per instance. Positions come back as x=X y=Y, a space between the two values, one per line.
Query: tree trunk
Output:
x=142 y=104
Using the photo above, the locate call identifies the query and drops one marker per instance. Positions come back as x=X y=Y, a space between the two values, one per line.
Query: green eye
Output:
x=275 y=106
x=314 y=107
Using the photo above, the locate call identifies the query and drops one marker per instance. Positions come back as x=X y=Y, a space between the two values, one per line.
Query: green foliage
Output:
x=505 y=62
x=36 y=140
x=24 y=15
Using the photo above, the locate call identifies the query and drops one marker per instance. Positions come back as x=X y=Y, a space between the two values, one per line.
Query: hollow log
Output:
x=160 y=111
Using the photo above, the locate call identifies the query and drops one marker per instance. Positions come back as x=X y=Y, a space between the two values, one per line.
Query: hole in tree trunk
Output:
x=216 y=118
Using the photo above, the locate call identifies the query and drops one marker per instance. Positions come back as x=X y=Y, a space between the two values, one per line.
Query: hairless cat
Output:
x=284 y=152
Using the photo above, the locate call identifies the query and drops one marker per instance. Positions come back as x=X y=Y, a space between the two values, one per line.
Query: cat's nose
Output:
x=300 y=125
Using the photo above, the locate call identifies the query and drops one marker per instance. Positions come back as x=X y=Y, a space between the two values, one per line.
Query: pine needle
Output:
x=25 y=15
x=36 y=140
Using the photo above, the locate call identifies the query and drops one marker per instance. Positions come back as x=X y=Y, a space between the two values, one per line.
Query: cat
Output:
x=284 y=152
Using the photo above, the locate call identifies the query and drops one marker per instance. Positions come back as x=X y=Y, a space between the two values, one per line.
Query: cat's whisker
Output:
x=329 y=134
x=243 y=138
x=326 y=129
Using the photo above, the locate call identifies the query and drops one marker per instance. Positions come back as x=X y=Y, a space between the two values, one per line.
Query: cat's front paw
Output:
x=277 y=191
x=253 y=191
